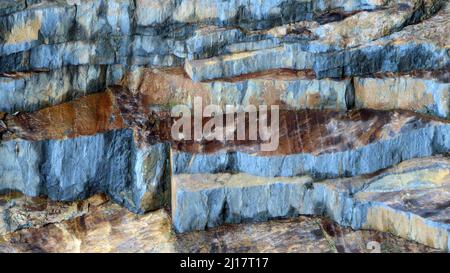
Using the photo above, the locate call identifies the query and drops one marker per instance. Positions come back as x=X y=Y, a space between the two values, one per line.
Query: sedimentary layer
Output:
x=415 y=47
x=409 y=200
x=107 y=227
x=87 y=89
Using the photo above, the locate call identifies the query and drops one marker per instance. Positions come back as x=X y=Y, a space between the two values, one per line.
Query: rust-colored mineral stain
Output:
x=310 y=131
x=300 y=131
x=171 y=86
x=88 y=115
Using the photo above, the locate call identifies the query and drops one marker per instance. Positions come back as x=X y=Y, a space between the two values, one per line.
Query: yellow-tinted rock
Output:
x=427 y=96
x=109 y=228
x=286 y=88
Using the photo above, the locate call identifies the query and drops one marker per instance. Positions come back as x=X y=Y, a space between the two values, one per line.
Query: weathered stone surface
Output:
x=420 y=94
x=97 y=19
x=74 y=169
x=324 y=145
x=316 y=59
x=355 y=30
x=100 y=32
x=286 y=88
x=10 y=6
x=26 y=29
x=85 y=116
x=56 y=56
x=100 y=29
x=409 y=200
x=53 y=22
x=415 y=47
x=240 y=12
x=19 y=212
x=208 y=200
x=110 y=228
x=35 y=90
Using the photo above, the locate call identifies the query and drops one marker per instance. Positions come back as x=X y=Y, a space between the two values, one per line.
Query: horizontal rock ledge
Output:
x=408 y=200
x=415 y=47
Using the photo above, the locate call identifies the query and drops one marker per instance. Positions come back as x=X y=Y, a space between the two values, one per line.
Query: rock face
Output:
x=425 y=94
x=77 y=168
x=362 y=88
x=287 y=88
x=409 y=200
x=36 y=90
x=20 y=212
x=323 y=145
x=107 y=227
x=359 y=55
x=114 y=38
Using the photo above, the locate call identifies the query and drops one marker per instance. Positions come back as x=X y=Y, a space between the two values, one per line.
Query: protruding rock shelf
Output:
x=409 y=200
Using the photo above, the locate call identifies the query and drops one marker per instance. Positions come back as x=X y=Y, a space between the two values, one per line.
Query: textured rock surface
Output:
x=131 y=165
x=428 y=95
x=286 y=88
x=324 y=146
x=362 y=85
x=241 y=37
x=77 y=168
x=110 y=228
x=409 y=200
x=33 y=91
x=413 y=48
x=20 y=212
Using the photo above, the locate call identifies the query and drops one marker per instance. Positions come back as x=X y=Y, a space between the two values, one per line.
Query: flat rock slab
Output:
x=410 y=200
x=108 y=227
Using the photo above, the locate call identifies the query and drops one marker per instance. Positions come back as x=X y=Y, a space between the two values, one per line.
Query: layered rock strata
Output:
x=86 y=89
x=96 y=43
x=107 y=227
x=121 y=148
x=409 y=200
x=416 y=47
